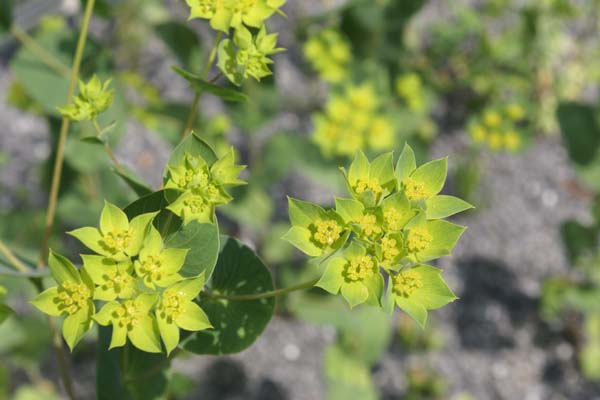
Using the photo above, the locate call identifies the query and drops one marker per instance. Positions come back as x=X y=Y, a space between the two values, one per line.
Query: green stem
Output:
x=107 y=148
x=62 y=136
x=18 y=264
x=194 y=110
x=46 y=57
x=265 y=295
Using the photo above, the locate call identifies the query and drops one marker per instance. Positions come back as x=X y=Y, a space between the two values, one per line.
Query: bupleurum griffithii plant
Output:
x=157 y=276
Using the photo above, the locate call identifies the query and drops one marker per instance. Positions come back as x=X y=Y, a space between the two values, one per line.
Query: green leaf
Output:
x=580 y=132
x=406 y=164
x=203 y=242
x=200 y=85
x=92 y=140
x=6 y=15
x=146 y=375
x=5 y=312
x=181 y=40
x=135 y=182
x=237 y=324
x=166 y=222
x=443 y=206
x=432 y=174
x=348 y=378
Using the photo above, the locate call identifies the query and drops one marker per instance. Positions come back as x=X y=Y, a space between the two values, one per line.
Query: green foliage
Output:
x=237 y=322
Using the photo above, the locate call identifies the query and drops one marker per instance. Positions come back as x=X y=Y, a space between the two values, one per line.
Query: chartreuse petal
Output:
x=193 y=318
x=445 y=234
x=333 y=278
x=153 y=243
x=46 y=302
x=381 y=169
x=359 y=169
x=145 y=336
x=105 y=316
x=414 y=309
x=374 y=285
x=349 y=209
x=62 y=270
x=190 y=288
x=434 y=293
x=169 y=332
x=300 y=238
x=406 y=163
x=354 y=250
x=355 y=293
x=76 y=325
x=139 y=228
x=172 y=259
x=304 y=213
x=98 y=267
x=145 y=301
x=225 y=172
x=113 y=279
x=443 y=206
x=119 y=336
x=432 y=175
x=91 y=238
x=112 y=218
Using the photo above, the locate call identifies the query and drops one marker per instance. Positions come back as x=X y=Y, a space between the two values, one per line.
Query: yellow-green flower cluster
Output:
x=498 y=128
x=353 y=121
x=410 y=88
x=93 y=99
x=202 y=186
x=392 y=223
x=146 y=298
x=247 y=55
x=330 y=55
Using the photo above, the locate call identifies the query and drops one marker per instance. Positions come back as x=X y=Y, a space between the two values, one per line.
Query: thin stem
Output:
x=108 y=149
x=265 y=295
x=61 y=358
x=194 y=110
x=64 y=129
x=18 y=264
x=47 y=58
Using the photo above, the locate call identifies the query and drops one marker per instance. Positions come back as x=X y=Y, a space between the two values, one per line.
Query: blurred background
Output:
x=507 y=88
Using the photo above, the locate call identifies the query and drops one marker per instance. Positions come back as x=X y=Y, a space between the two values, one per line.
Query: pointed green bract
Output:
x=419 y=289
x=443 y=206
